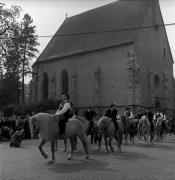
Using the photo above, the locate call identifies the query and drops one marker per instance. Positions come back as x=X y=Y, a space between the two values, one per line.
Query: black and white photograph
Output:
x=87 y=89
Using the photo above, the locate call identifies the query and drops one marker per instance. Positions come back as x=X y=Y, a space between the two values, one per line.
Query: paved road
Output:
x=136 y=162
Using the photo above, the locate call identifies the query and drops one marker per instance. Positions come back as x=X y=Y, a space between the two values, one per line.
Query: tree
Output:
x=8 y=21
x=8 y=17
x=9 y=90
x=28 y=46
x=18 y=44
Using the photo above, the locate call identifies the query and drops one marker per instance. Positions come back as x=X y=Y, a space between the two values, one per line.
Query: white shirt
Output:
x=131 y=115
x=160 y=114
x=64 y=109
x=117 y=116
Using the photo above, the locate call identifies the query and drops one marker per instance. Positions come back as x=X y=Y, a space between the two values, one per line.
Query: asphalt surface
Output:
x=137 y=162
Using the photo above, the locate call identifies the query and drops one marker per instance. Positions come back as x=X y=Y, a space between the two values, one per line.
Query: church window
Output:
x=157 y=101
x=45 y=86
x=156 y=81
x=64 y=82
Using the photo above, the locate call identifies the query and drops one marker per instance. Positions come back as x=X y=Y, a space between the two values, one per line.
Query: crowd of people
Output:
x=14 y=124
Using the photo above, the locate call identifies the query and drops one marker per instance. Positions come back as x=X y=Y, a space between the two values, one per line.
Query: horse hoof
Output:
x=64 y=150
x=106 y=152
x=112 y=150
x=69 y=157
x=87 y=157
x=45 y=156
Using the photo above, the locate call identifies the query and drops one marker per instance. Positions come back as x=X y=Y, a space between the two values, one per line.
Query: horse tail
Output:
x=101 y=124
x=81 y=133
x=85 y=143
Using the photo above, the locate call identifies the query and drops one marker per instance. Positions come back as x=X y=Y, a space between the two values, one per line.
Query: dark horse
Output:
x=130 y=128
x=47 y=127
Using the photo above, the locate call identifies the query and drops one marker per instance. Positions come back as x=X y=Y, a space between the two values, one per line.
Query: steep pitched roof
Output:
x=82 y=28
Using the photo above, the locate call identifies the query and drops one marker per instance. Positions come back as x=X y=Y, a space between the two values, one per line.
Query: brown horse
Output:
x=129 y=128
x=47 y=127
x=106 y=129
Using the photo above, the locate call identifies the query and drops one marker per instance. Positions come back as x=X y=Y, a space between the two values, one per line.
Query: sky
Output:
x=48 y=15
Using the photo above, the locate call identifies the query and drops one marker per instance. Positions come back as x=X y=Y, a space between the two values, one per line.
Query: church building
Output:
x=115 y=53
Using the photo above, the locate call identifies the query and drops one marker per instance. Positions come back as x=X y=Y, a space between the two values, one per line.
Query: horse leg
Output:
x=75 y=143
x=65 y=145
x=56 y=145
x=126 y=138
x=95 y=137
x=52 y=160
x=145 y=138
x=119 y=141
x=132 y=138
x=92 y=137
x=151 y=137
x=106 y=143
x=43 y=141
x=69 y=157
x=85 y=145
x=110 y=144
x=99 y=141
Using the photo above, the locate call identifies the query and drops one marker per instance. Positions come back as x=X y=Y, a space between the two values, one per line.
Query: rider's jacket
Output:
x=112 y=114
x=64 y=109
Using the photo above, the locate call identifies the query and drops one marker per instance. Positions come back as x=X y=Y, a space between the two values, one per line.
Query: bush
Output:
x=8 y=110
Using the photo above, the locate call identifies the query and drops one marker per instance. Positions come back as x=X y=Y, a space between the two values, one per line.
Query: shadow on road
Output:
x=124 y=155
x=79 y=165
x=158 y=145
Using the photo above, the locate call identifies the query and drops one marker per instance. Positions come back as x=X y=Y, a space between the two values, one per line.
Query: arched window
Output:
x=156 y=81
x=157 y=101
x=64 y=82
x=45 y=86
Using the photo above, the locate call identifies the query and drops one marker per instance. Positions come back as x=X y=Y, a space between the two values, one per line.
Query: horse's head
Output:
x=34 y=126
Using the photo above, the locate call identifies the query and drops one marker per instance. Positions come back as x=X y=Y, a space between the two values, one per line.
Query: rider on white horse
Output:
x=63 y=112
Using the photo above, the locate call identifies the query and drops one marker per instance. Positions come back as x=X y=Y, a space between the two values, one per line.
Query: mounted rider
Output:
x=63 y=112
x=157 y=115
x=89 y=114
x=163 y=120
x=149 y=115
x=128 y=113
x=112 y=113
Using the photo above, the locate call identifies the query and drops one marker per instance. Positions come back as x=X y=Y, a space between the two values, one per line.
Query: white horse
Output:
x=145 y=126
x=48 y=128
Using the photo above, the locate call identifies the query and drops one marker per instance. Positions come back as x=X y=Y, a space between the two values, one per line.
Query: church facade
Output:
x=115 y=53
